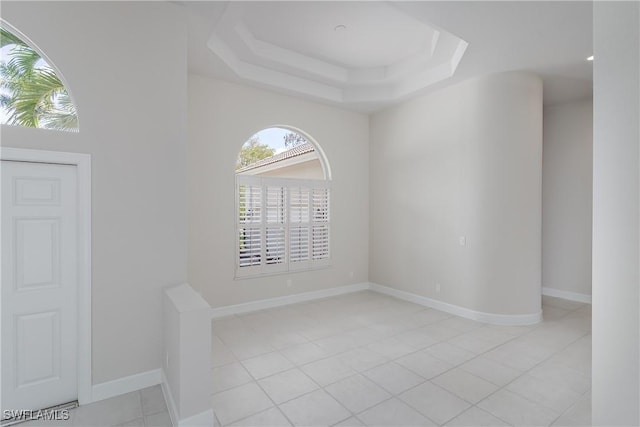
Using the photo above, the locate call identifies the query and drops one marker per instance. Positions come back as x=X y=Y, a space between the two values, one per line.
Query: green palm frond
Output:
x=60 y=120
x=24 y=59
x=4 y=100
x=62 y=115
x=36 y=98
x=7 y=38
x=9 y=79
x=33 y=95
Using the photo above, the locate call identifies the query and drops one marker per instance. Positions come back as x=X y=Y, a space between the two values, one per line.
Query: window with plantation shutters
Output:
x=282 y=225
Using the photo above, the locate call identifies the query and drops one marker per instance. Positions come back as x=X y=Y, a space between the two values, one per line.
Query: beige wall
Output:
x=462 y=162
x=567 y=174
x=616 y=214
x=222 y=116
x=117 y=58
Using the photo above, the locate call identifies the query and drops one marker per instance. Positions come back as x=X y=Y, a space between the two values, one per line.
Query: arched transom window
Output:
x=31 y=92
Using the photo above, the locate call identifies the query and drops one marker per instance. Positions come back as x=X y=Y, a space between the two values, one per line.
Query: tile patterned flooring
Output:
x=366 y=359
x=144 y=408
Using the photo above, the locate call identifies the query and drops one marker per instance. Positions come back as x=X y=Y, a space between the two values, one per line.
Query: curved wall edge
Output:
x=492 y=318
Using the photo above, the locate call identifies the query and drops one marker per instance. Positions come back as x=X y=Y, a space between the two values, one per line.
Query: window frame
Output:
x=317 y=219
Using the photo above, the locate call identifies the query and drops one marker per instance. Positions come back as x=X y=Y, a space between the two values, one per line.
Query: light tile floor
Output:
x=366 y=359
x=144 y=408
x=369 y=359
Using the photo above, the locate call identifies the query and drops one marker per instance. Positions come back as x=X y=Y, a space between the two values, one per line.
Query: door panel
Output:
x=39 y=284
x=37 y=245
x=38 y=347
x=37 y=192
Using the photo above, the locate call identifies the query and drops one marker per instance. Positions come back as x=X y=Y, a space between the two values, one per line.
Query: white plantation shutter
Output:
x=299 y=235
x=283 y=224
x=275 y=227
x=299 y=204
x=320 y=226
x=320 y=239
x=249 y=216
x=276 y=245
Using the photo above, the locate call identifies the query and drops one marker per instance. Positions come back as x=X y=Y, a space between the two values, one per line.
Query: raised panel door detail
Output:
x=37 y=344
x=36 y=191
x=37 y=249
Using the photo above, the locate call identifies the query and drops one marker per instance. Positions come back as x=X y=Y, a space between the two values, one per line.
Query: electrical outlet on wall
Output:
x=438 y=286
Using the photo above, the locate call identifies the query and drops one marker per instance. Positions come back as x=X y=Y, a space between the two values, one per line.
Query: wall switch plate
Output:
x=462 y=240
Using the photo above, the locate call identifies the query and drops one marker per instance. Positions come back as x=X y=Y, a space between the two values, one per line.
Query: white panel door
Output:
x=39 y=285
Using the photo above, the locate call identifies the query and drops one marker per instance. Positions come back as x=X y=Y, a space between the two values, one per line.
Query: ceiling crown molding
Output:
x=382 y=54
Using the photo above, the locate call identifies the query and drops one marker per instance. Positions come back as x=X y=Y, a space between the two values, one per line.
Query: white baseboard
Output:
x=497 y=319
x=205 y=418
x=126 y=385
x=571 y=296
x=286 y=300
x=168 y=398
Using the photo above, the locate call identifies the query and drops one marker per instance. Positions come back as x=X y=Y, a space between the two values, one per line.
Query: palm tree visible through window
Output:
x=31 y=93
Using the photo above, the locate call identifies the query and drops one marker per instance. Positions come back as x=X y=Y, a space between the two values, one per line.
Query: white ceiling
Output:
x=389 y=51
x=374 y=34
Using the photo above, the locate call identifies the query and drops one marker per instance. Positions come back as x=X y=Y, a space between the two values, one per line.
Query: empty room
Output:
x=320 y=213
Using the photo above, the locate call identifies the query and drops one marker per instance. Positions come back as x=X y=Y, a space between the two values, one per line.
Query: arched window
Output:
x=31 y=92
x=282 y=204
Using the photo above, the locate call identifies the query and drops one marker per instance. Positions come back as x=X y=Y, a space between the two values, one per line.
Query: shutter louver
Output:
x=250 y=247
x=299 y=244
x=250 y=233
x=249 y=204
x=320 y=205
x=283 y=224
x=276 y=245
x=320 y=228
x=276 y=203
x=320 y=242
x=299 y=229
x=299 y=205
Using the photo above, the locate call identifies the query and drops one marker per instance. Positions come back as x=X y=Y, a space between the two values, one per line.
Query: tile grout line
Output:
x=395 y=318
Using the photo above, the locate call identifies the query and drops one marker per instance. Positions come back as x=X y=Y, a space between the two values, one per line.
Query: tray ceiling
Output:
x=346 y=52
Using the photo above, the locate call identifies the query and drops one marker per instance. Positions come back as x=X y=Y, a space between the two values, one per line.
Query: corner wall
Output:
x=117 y=58
x=567 y=190
x=463 y=162
x=222 y=116
x=616 y=214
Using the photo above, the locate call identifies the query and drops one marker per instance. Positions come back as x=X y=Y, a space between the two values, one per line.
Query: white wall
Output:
x=463 y=161
x=117 y=58
x=567 y=175
x=222 y=116
x=616 y=214
x=188 y=384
